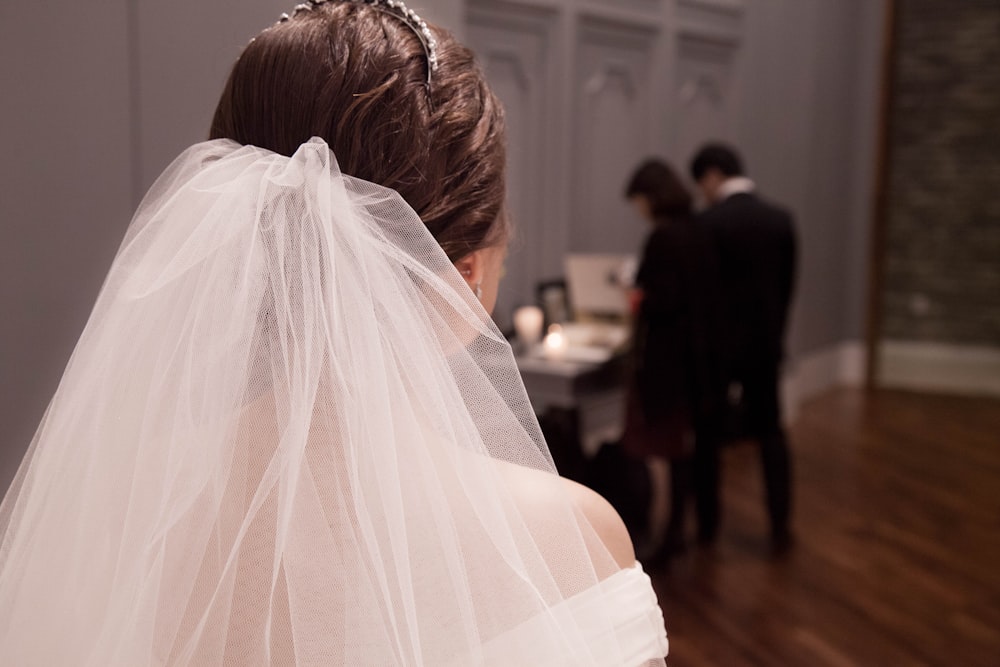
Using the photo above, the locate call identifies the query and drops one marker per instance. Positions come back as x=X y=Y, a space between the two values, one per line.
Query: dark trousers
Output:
x=762 y=415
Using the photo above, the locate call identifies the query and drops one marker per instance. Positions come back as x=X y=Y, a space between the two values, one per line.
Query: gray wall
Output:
x=593 y=87
x=821 y=62
x=99 y=97
x=808 y=131
x=65 y=184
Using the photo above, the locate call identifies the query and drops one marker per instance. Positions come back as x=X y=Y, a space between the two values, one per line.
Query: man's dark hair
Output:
x=657 y=182
x=716 y=156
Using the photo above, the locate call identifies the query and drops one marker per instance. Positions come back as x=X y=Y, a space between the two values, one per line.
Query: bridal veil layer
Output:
x=289 y=434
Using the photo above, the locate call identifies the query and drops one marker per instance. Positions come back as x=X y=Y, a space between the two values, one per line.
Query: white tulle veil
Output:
x=289 y=434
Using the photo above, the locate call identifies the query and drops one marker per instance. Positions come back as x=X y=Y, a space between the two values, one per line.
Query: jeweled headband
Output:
x=397 y=9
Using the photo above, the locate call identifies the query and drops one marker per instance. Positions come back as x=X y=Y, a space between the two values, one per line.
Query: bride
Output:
x=290 y=432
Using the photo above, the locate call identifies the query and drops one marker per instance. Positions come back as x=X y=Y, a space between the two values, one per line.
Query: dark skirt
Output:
x=667 y=434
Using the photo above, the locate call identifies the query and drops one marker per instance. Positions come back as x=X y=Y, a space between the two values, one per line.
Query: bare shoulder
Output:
x=536 y=489
x=605 y=521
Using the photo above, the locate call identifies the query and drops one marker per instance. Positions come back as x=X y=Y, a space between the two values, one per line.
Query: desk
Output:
x=594 y=391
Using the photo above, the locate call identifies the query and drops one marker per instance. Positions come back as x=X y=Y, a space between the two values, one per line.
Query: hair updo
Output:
x=657 y=182
x=357 y=77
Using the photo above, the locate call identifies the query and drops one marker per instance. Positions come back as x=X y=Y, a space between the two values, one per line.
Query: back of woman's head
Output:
x=666 y=194
x=357 y=76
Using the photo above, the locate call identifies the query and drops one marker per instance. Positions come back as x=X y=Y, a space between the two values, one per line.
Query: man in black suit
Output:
x=756 y=246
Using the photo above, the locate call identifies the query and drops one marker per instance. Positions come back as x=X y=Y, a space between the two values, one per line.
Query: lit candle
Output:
x=555 y=342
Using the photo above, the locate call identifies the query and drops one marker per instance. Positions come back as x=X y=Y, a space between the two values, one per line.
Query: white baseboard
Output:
x=839 y=365
x=961 y=369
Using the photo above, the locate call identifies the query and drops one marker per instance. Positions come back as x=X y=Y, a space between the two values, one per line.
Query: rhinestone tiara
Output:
x=395 y=8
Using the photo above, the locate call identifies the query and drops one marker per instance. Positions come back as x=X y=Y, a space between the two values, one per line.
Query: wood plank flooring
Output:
x=897 y=552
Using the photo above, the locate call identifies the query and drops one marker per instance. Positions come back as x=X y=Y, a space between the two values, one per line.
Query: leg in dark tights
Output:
x=681 y=470
x=706 y=483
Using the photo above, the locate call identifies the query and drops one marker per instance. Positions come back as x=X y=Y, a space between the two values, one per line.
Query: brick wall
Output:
x=942 y=268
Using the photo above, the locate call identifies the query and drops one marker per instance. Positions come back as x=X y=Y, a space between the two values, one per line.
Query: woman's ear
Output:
x=482 y=270
x=472 y=267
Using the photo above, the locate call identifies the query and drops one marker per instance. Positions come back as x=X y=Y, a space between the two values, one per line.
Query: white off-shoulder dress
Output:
x=635 y=635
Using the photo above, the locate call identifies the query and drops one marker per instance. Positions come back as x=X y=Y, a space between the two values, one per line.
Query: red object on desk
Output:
x=635 y=297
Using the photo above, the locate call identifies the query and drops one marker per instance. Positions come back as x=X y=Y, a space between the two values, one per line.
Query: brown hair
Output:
x=357 y=77
x=657 y=182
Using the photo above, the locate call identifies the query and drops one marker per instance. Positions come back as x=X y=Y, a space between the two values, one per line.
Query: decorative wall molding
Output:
x=705 y=108
x=510 y=61
x=724 y=6
x=607 y=76
x=623 y=80
x=704 y=67
x=616 y=32
x=613 y=93
x=513 y=43
x=523 y=16
x=627 y=12
x=641 y=5
x=712 y=19
x=701 y=87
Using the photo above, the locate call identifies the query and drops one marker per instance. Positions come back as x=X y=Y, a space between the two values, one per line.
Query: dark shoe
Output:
x=673 y=544
x=707 y=537
x=781 y=542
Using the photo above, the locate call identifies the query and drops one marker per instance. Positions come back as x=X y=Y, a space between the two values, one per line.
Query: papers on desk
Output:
x=582 y=343
x=577 y=354
x=610 y=335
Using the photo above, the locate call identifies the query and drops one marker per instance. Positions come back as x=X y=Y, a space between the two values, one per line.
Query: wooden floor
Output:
x=897 y=552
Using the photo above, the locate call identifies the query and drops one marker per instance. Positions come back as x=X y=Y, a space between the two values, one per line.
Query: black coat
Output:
x=756 y=246
x=677 y=375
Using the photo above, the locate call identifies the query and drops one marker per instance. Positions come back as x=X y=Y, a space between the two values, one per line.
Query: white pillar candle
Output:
x=528 y=322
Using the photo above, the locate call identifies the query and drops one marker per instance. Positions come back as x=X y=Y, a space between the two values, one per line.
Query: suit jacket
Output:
x=756 y=244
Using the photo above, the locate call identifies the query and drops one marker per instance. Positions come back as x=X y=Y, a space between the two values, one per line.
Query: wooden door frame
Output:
x=880 y=204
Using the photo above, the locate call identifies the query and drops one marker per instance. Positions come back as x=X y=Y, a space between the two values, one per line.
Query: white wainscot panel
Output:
x=723 y=17
x=612 y=100
x=704 y=104
x=514 y=45
x=606 y=7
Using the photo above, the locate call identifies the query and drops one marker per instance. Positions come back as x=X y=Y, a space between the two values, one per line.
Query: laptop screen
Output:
x=598 y=283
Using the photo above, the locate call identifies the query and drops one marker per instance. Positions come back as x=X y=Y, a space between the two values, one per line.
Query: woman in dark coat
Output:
x=676 y=384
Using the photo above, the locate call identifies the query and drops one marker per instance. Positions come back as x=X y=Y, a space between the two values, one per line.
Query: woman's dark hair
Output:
x=357 y=77
x=657 y=182
x=716 y=156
